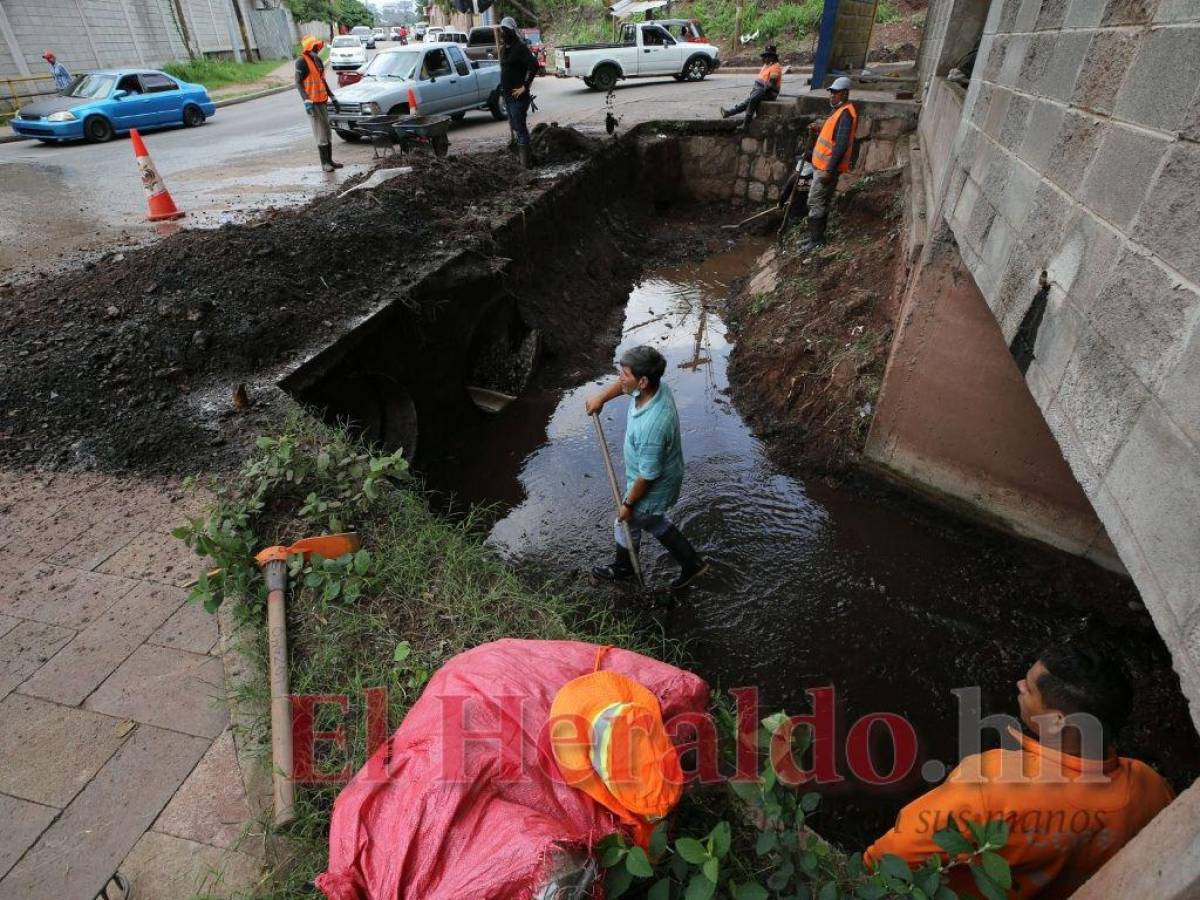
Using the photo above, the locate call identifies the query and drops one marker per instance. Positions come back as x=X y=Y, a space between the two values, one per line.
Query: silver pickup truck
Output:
x=441 y=78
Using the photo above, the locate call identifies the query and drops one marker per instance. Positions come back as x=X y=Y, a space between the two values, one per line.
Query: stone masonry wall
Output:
x=1077 y=161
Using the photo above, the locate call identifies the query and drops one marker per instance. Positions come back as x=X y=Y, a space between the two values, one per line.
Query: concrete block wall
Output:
x=1078 y=156
x=852 y=33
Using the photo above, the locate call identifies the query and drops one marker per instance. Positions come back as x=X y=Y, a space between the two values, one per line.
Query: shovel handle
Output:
x=616 y=492
x=281 y=703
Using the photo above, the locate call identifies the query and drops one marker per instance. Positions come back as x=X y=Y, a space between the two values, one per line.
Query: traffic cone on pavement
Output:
x=158 y=198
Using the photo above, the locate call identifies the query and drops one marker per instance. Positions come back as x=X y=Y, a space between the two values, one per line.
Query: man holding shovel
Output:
x=653 y=455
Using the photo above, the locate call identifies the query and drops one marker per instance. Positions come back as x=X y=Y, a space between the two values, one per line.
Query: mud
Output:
x=812 y=333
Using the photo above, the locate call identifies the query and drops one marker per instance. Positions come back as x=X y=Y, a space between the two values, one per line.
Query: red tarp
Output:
x=425 y=820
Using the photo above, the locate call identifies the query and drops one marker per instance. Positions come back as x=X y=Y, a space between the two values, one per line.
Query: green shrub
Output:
x=215 y=73
x=886 y=12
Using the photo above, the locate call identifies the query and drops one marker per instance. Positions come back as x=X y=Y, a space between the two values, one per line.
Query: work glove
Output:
x=308 y=107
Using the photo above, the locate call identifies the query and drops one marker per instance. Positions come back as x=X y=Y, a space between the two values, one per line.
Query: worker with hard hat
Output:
x=518 y=68
x=310 y=81
x=830 y=158
x=62 y=78
x=766 y=86
x=609 y=741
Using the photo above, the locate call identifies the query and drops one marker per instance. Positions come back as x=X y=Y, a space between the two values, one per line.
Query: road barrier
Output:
x=21 y=89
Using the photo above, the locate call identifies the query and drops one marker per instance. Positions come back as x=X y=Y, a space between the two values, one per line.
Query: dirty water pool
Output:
x=811 y=583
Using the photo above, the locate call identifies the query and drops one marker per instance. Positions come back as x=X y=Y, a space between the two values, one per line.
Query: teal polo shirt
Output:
x=654 y=451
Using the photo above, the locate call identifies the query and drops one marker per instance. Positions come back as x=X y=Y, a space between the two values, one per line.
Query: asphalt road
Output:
x=63 y=203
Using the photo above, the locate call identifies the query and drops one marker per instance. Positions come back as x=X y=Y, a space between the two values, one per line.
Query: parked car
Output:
x=645 y=50
x=364 y=34
x=441 y=78
x=380 y=34
x=347 y=52
x=418 y=31
x=101 y=104
x=431 y=33
x=483 y=41
x=533 y=37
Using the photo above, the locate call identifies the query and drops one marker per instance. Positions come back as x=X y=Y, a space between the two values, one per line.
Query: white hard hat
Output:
x=510 y=23
x=840 y=84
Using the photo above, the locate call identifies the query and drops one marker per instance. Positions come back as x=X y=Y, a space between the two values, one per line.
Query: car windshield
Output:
x=532 y=35
x=93 y=86
x=403 y=64
x=346 y=41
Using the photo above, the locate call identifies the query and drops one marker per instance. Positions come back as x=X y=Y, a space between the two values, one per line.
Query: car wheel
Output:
x=97 y=129
x=679 y=78
x=350 y=137
x=441 y=145
x=192 y=116
x=497 y=107
x=604 y=78
x=458 y=116
x=590 y=83
x=696 y=69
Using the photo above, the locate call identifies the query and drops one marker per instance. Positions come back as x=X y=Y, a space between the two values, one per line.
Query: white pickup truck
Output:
x=646 y=50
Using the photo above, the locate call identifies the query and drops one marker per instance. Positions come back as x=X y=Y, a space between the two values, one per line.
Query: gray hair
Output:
x=644 y=361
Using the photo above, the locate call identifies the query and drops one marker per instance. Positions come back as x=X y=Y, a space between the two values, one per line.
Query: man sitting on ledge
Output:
x=766 y=85
x=1070 y=802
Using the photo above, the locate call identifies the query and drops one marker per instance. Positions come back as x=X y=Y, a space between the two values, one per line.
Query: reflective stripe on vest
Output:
x=314 y=83
x=822 y=157
x=602 y=740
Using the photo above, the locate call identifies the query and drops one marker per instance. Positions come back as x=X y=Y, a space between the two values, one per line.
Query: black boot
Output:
x=329 y=154
x=692 y=565
x=525 y=152
x=620 y=570
x=326 y=153
x=816 y=234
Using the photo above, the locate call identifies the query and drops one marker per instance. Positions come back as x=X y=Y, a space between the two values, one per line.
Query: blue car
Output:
x=101 y=104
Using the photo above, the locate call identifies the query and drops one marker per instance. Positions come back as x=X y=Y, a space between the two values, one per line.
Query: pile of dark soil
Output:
x=813 y=333
x=130 y=362
x=553 y=144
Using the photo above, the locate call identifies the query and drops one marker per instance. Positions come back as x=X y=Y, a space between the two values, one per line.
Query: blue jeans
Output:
x=517 y=111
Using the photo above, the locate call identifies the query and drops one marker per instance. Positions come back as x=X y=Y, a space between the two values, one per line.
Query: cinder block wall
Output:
x=1078 y=156
x=852 y=33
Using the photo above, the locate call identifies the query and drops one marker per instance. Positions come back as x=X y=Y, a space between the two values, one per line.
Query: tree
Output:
x=352 y=12
x=344 y=12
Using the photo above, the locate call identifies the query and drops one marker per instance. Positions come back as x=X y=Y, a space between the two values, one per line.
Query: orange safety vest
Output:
x=314 y=85
x=771 y=75
x=822 y=157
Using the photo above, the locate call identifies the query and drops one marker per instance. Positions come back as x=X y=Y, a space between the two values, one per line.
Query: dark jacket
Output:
x=518 y=66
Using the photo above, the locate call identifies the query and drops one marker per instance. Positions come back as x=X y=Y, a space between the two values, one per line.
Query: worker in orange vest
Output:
x=310 y=81
x=830 y=158
x=766 y=86
x=1070 y=802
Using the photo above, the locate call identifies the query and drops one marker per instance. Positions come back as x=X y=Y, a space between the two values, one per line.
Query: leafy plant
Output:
x=886 y=12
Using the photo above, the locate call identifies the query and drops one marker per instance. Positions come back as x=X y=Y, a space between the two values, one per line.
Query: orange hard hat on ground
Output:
x=609 y=740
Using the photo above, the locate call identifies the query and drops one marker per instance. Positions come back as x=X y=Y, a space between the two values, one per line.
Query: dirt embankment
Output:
x=813 y=332
x=133 y=361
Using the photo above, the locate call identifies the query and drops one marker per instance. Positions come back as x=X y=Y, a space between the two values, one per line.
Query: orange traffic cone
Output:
x=158 y=198
x=412 y=102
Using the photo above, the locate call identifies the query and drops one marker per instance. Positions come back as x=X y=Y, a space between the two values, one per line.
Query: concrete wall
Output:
x=94 y=34
x=852 y=33
x=1078 y=156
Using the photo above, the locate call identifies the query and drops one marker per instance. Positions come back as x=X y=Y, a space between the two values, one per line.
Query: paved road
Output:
x=59 y=203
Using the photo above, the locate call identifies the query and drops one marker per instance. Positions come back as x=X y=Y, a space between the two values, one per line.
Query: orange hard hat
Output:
x=308 y=42
x=608 y=738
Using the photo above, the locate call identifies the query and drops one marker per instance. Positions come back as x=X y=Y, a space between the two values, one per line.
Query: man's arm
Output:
x=596 y=402
x=301 y=74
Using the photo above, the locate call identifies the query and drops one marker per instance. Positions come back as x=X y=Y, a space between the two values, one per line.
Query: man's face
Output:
x=837 y=98
x=630 y=382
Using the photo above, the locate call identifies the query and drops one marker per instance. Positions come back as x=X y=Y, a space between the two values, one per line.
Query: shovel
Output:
x=273 y=562
x=747 y=221
x=616 y=492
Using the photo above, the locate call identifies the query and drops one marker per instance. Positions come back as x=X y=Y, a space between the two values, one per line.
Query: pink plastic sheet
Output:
x=465 y=799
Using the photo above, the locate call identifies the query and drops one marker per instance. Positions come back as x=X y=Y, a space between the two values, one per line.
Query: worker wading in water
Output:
x=518 y=68
x=766 y=86
x=310 y=81
x=653 y=455
x=830 y=158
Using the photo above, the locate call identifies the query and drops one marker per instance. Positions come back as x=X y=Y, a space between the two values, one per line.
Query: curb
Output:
x=220 y=104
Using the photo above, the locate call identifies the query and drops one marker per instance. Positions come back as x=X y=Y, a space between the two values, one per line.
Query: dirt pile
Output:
x=554 y=145
x=813 y=332
x=127 y=362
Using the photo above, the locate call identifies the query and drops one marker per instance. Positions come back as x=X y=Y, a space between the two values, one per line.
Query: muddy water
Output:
x=891 y=603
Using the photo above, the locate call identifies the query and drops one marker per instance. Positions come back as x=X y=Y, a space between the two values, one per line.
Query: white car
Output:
x=448 y=36
x=347 y=52
x=645 y=50
x=431 y=34
x=381 y=34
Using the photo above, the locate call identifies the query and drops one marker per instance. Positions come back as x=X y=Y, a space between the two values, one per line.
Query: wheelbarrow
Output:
x=406 y=132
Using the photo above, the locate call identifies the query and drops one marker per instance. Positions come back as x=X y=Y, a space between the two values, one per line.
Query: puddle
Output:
x=892 y=603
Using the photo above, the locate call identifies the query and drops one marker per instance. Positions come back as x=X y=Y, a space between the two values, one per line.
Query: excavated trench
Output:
x=815 y=582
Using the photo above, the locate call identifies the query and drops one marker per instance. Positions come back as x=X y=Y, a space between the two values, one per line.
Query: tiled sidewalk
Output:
x=115 y=743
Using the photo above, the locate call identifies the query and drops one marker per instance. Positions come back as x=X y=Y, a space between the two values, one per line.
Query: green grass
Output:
x=432 y=585
x=886 y=12
x=218 y=73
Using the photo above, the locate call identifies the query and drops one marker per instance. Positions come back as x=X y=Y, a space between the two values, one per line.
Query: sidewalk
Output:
x=116 y=750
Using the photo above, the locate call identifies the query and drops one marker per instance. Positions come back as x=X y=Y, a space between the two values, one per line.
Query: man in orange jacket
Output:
x=310 y=82
x=766 y=86
x=1069 y=800
x=830 y=158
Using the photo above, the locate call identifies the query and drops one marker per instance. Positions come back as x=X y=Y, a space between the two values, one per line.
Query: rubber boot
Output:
x=726 y=113
x=329 y=153
x=620 y=570
x=325 y=151
x=525 y=152
x=816 y=234
x=691 y=564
